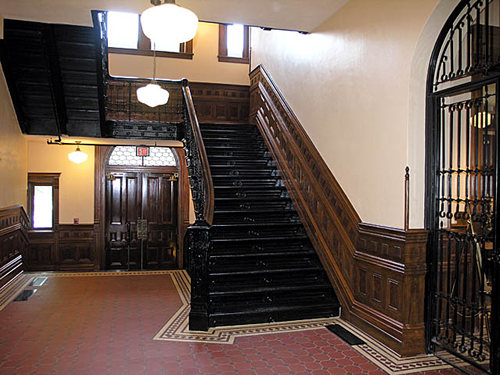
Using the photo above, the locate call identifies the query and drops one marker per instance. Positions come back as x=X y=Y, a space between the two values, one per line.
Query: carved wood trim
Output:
x=13 y=243
x=378 y=272
x=221 y=103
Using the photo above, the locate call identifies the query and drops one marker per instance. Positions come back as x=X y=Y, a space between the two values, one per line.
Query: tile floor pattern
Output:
x=106 y=325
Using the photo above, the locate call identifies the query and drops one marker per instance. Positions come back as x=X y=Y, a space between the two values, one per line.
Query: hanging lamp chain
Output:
x=154 y=61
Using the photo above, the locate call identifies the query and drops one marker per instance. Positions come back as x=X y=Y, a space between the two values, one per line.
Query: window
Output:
x=158 y=157
x=234 y=43
x=125 y=36
x=43 y=200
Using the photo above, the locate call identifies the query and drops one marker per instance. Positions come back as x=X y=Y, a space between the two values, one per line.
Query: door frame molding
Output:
x=101 y=157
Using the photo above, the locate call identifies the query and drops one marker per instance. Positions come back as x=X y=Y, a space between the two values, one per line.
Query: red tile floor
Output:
x=105 y=325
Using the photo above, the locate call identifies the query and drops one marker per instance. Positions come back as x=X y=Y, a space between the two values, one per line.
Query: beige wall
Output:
x=354 y=78
x=204 y=67
x=13 y=150
x=76 y=183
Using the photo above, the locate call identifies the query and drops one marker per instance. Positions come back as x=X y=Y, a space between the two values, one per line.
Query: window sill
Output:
x=140 y=52
x=236 y=60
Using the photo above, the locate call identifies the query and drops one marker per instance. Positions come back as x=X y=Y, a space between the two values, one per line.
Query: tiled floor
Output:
x=106 y=325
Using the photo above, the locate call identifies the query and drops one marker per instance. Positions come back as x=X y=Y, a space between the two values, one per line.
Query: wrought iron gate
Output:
x=462 y=174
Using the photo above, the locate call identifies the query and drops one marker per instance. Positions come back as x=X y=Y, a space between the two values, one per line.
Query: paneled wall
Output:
x=67 y=248
x=216 y=102
x=377 y=272
x=13 y=243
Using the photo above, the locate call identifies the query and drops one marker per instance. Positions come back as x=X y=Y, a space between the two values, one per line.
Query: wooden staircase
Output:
x=261 y=264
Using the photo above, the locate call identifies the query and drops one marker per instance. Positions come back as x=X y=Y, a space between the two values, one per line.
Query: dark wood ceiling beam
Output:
x=56 y=86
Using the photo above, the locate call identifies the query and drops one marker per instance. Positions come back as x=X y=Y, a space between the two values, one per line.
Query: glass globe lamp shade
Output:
x=169 y=22
x=77 y=156
x=152 y=95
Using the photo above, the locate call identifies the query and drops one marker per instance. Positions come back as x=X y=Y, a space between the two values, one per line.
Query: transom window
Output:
x=127 y=156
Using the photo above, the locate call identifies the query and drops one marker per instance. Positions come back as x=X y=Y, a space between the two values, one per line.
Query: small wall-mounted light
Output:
x=481 y=120
x=77 y=156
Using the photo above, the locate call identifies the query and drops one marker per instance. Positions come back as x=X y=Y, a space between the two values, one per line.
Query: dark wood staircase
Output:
x=261 y=264
x=52 y=74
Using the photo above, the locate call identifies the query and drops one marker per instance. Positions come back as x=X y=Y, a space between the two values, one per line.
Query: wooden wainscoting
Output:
x=67 y=248
x=13 y=243
x=378 y=273
x=389 y=286
x=221 y=103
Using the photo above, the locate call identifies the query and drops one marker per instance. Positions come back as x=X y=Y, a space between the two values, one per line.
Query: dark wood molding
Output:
x=13 y=243
x=221 y=103
x=378 y=272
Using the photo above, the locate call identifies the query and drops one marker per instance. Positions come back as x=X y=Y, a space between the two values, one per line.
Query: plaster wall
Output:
x=76 y=183
x=355 y=72
x=204 y=67
x=13 y=153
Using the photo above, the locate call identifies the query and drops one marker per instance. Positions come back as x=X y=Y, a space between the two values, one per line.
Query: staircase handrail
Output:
x=199 y=169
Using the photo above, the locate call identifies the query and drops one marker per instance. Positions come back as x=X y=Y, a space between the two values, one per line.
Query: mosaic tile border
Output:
x=10 y=291
x=176 y=329
x=105 y=273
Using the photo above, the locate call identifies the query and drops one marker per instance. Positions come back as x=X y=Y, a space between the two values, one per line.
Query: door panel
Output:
x=160 y=209
x=134 y=195
x=123 y=196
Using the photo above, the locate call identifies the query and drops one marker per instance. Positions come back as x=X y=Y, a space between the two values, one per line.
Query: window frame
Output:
x=44 y=179
x=144 y=47
x=223 y=57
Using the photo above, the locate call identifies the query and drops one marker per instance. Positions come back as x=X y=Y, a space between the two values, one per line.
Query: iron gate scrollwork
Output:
x=462 y=187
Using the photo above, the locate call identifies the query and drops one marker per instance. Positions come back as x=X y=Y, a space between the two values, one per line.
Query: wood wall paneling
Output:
x=67 y=248
x=378 y=273
x=220 y=103
x=13 y=243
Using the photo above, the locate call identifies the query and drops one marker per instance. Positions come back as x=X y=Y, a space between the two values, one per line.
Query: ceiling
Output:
x=283 y=14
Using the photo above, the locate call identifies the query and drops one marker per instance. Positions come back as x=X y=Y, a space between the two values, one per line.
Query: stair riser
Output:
x=263 y=263
x=253 y=205
x=259 y=301
x=241 y=193
x=269 y=317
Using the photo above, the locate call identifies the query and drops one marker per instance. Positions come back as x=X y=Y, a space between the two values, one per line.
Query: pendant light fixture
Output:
x=152 y=94
x=77 y=156
x=168 y=22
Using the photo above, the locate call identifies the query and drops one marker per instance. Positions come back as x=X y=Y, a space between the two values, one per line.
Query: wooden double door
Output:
x=141 y=219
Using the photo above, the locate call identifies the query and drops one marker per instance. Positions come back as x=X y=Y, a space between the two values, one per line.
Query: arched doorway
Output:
x=461 y=192
x=141 y=208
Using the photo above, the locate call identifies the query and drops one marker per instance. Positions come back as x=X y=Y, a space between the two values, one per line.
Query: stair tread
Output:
x=257 y=272
x=238 y=225
x=258 y=210
x=264 y=254
x=252 y=310
x=272 y=289
x=270 y=238
x=256 y=199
